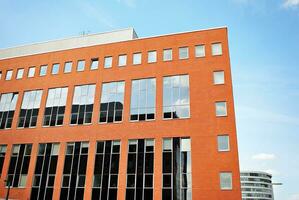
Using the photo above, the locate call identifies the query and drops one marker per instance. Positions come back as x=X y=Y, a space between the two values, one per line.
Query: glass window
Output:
x=221 y=109
x=122 y=60
x=108 y=62
x=31 y=72
x=136 y=58
x=183 y=53
x=43 y=70
x=152 y=56
x=112 y=102
x=55 y=68
x=20 y=73
x=218 y=77
x=23 y=179
x=80 y=65
x=94 y=64
x=167 y=54
x=8 y=75
x=68 y=67
x=143 y=99
x=176 y=100
x=8 y=103
x=216 y=49
x=223 y=142
x=226 y=181
x=2 y=156
x=0 y=75
x=200 y=51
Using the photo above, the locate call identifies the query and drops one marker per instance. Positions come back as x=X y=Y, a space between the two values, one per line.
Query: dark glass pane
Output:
x=134 y=117
x=130 y=180
x=80 y=194
x=114 y=164
x=48 y=111
x=104 y=106
x=46 y=120
x=65 y=181
x=116 y=148
x=1 y=164
x=131 y=163
x=139 y=181
x=166 y=194
x=104 y=193
x=113 y=180
x=61 y=110
x=103 y=117
x=140 y=162
x=74 y=118
x=54 y=110
x=8 y=122
x=97 y=180
x=81 y=118
x=33 y=121
x=35 y=112
x=148 y=182
x=96 y=194
x=167 y=180
x=150 y=116
x=167 y=115
x=185 y=161
x=112 y=194
x=75 y=108
x=140 y=146
x=83 y=163
x=51 y=180
x=21 y=122
x=118 y=115
x=12 y=165
x=39 y=165
x=100 y=147
x=67 y=164
x=11 y=114
x=53 y=165
x=23 y=112
x=132 y=148
x=49 y=194
x=139 y=194
x=34 y=193
x=110 y=115
x=106 y=163
x=148 y=194
x=81 y=181
x=130 y=194
x=59 y=120
x=27 y=119
x=63 y=193
x=53 y=120
x=167 y=162
x=141 y=117
x=89 y=108
x=118 y=106
x=88 y=117
x=25 y=165
x=149 y=163
x=98 y=164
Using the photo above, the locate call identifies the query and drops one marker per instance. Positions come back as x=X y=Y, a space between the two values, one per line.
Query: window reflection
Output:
x=7 y=109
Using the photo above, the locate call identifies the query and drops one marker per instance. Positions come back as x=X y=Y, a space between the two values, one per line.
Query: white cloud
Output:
x=264 y=156
x=294 y=197
x=291 y=3
x=272 y=171
x=129 y=3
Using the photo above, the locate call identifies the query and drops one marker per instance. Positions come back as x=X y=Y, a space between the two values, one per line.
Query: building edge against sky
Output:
x=117 y=116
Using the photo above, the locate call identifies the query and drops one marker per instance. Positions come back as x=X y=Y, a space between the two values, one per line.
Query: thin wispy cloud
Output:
x=263 y=156
x=291 y=3
x=128 y=3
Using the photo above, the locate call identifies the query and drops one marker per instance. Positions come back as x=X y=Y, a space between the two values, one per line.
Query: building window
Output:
x=140 y=170
x=183 y=53
x=106 y=170
x=43 y=70
x=176 y=169
x=31 y=72
x=226 y=181
x=19 y=164
x=108 y=62
x=112 y=102
x=74 y=171
x=80 y=65
x=167 y=54
x=8 y=75
x=83 y=104
x=30 y=108
x=122 y=60
x=2 y=156
x=55 y=107
x=94 y=64
x=223 y=142
x=152 y=56
x=8 y=104
x=68 y=67
x=176 y=100
x=45 y=171
x=20 y=73
x=143 y=99
x=221 y=109
x=55 y=68
x=200 y=51
x=218 y=77
x=216 y=49
x=137 y=58
x=0 y=75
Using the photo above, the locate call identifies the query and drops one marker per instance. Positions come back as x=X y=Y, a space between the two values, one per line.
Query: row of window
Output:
x=176 y=169
x=122 y=61
x=176 y=103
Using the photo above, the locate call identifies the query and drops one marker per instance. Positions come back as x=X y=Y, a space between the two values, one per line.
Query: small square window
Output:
x=81 y=65
x=8 y=75
x=223 y=142
x=226 y=181
x=152 y=56
x=22 y=182
x=216 y=49
x=183 y=53
x=55 y=68
x=167 y=144
x=136 y=58
x=94 y=64
x=68 y=67
x=221 y=109
x=31 y=72
x=122 y=60
x=20 y=73
x=167 y=54
x=186 y=146
x=200 y=51
x=108 y=62
x=218 y=77
x=43 y=70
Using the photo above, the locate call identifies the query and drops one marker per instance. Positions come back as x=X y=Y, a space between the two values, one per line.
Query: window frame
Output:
x=30 y=69
x=93 y=60
x=20 y=73
x=228 y=143
x=108 y=62
x=181 y=57
x=223 y=77
x=171 y=54
x=213 y=50
x=119 y=58
x=231 y=180
x=155 y=54
x=9 y=74
x=55 y=68
x=134 y=62
x=226 y=111
x=67 y=64
x=43 y=67
x=196 y=51
x=78 y=68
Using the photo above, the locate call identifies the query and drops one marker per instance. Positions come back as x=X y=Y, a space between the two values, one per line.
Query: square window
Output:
x=137 y=58
x=183 y=53
x=108 y=62
x=167 y=144
x=20 y=73
x=94 y=64
x=22 y=181
x=43 y=70
x=218 y=77
x=68 y=67
x=81 y=65
x=216 y=49
x=8 y=75
x=122 y=60
x=31 y=72
x=200 y=51
x=226 y=181
x=186 y=146
x=223 y=142
x=55 y=68
x=221 y=109
x=152 y=56
x=167 y=54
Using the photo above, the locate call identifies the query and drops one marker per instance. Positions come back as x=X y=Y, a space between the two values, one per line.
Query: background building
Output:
x=110 y=115
x=256 y=185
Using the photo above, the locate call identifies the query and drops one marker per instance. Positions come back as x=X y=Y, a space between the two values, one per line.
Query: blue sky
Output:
x=264 y=48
